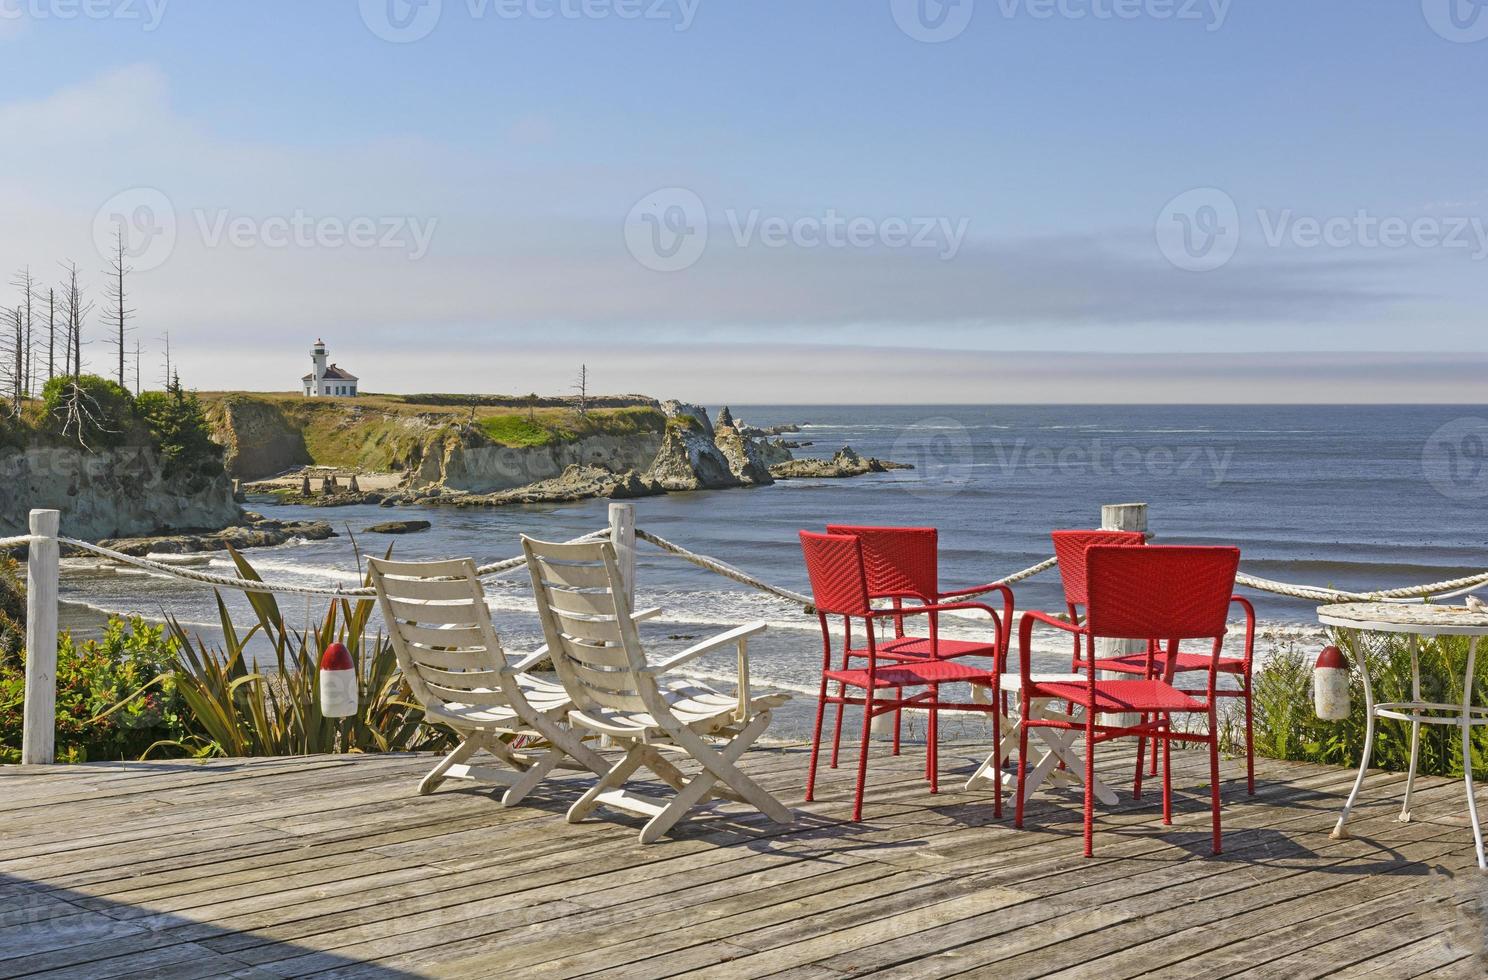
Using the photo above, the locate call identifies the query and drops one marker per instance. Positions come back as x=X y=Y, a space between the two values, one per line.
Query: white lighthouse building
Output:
x=327 y=380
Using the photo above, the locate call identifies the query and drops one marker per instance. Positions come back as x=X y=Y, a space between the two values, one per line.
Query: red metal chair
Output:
x=839 y=584
x=1070 y=548
x=902 y=564
x=1164 y=595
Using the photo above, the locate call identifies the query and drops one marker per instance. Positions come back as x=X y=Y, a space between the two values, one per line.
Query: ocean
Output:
x=1347 y=497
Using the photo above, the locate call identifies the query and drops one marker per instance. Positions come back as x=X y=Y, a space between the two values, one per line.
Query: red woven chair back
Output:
x=1070 y=548
x=901 y=561
x=839 y=582
x=1159 y=593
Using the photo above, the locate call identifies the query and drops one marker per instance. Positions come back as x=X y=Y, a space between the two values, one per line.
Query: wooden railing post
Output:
x=1121 y=517
x=622 y=536
x=39 y=718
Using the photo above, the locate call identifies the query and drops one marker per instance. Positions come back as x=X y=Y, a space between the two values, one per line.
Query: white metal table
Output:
x=1416 y=621
x=1058 y=743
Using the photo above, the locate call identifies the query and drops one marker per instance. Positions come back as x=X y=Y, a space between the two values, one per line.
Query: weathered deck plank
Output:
x=333 y=867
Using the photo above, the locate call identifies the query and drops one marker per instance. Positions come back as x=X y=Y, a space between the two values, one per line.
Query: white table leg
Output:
x=1466 y=724
x=1340 y=830
x=1415 y=736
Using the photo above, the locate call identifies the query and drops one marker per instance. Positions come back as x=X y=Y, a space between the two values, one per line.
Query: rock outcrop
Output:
x=258 y=437
x=844 y=463
x=398 y=527
x=689 y=459
x=109 y=493
x=576 y=483
x=746 y=459
x=256 y=534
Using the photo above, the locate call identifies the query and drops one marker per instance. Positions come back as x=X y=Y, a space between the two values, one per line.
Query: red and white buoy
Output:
x=1330 y=685
x=338 y=683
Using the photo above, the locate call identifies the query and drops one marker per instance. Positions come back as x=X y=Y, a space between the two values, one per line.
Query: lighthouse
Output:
x=327 y=380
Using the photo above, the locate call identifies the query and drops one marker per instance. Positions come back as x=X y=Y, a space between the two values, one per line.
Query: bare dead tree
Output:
x=119 y=312
x=27 y=285
x=165 y=379
x=75 y=310
x=14 y=351
x=136 y=367
x=581 y=386
x=51 y=334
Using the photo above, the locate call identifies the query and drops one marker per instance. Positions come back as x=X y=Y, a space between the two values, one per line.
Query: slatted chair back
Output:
x=441 y=631
x=1159 y=592
x=1070 y=548
x=901 y=562
x=591 y=636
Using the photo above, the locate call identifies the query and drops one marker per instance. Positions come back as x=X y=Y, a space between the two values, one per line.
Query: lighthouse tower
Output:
x=318 y=356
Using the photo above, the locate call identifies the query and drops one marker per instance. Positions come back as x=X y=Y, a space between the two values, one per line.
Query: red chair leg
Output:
x=1249 y=741
x=1167 y=750
x=1022 y=770
x=837 y=728
x=821 y=710
x=863 y=754
x=932 y=750
x=1090 y=783
x=997 y=748
x=898 y=718
x=1153 y=770
x=1214 y=777
x=1141 y=758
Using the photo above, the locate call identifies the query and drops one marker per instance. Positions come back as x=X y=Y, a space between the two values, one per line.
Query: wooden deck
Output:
x=332 y=866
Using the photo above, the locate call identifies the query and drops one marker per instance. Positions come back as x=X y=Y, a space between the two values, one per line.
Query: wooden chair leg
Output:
x=462 y=752
x=534 y=775
x=612 y=779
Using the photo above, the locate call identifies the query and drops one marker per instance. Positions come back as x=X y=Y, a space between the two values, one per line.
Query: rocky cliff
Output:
x=121 y=492
x=259 y=439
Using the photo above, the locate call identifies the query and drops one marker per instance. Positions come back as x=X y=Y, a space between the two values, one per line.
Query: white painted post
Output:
x=39 y=718
x=622 y=536
x=1121 y=517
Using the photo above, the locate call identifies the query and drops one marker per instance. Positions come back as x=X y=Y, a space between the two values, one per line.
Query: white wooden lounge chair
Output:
x=441 y=632
x=599 y=659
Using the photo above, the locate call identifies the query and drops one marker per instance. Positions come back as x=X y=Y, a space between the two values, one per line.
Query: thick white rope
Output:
x=248 y=585
x=725 y=569
x=15 y=542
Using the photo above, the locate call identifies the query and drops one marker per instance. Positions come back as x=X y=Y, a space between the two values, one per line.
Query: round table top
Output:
x=1403 y=617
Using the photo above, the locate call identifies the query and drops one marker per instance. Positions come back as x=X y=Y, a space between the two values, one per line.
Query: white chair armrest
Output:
x=737 y=635
x=524 y=664
x=643 y=614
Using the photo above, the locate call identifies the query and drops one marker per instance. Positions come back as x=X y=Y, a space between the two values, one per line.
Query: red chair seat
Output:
x=920 y=646
x=1136 y=663
x=1122 y=696
x=917 y=674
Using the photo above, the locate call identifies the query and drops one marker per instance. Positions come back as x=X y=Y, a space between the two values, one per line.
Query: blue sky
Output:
x=696 y=194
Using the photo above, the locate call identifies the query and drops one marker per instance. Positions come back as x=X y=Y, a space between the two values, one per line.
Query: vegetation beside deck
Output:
x=292 y=866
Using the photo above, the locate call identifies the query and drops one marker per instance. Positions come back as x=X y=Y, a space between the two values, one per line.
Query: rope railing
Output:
x=15 y=542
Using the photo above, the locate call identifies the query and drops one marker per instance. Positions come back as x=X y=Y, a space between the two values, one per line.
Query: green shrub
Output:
x=12 y=610
x=90 y=410
x=179 y=427
x=517 y=431
x=116 y=695
x=1287 y=728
